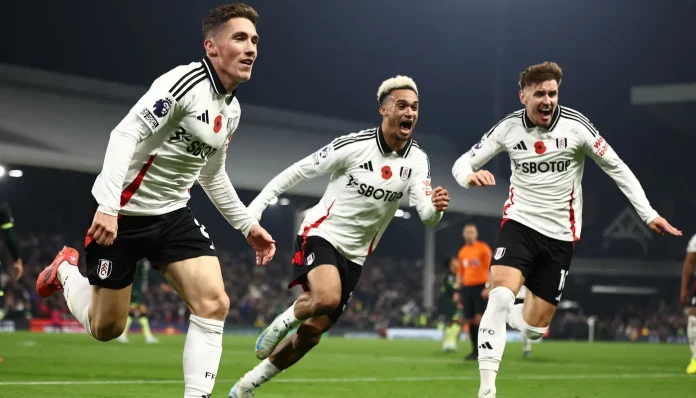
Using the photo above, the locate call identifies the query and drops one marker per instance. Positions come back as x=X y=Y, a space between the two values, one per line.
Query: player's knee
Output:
x=325 y=303
x=107 y=330
x=215 y=306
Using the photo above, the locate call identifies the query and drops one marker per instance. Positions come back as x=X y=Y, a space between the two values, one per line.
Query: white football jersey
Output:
x=691 y=247
x=547 y=167
x=190 y=121
x=368 y=182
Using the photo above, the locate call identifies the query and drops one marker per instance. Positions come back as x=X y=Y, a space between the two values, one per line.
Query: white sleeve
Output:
x=691 y=247
x=217 y=185
x=157 y=107
x=327 y=159
x=484 y=150
x=119 y=152
x=608 y=160
x=420 y=195
x=166 y=101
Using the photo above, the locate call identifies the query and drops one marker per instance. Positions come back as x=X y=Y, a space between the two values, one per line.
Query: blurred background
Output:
x=70 y=71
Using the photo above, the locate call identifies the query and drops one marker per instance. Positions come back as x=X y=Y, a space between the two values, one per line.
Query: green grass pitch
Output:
x=66 y=365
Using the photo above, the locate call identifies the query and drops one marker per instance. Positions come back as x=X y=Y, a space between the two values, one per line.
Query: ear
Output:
x=210 y=47
x=523 y=97
x=382 y=110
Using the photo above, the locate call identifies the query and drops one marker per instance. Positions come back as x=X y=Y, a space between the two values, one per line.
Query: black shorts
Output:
x=163 y=239
x=544 y=261
x=472 y=301
x=315 y=251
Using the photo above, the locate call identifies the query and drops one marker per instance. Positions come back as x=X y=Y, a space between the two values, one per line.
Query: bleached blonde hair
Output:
x=395 y=83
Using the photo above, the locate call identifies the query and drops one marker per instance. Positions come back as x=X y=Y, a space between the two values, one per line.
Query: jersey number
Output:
x=204 y=232
x=561 y=284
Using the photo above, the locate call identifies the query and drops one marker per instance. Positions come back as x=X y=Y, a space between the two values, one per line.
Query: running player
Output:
x=449 y=306
x=474 y=260
x=138 y=308
x=371 y=172
x=542 y=217
x=687 y=297
x=177 y=133
x=10 y=238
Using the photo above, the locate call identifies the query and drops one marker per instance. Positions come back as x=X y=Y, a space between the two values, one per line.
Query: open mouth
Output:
x=545 y=113
x=405 y=126
x=247 y=61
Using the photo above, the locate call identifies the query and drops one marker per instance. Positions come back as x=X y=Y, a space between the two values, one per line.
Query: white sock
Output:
x=516 y=321
x=77 y=292
x=262 y=373
x=492 y=335
x=287 y=319
x=202 y=352
x=691 y=334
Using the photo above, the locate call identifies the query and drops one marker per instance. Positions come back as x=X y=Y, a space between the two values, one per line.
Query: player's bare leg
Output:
x=103 y=312
x=323 y=298
x=199 y=283
x=691 y=334
x=286 y=354
x=532 y=319
x=505 y=283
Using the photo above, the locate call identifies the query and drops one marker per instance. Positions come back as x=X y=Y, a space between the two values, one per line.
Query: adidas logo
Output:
x=367 y=166
x=521 y=146
x=486 y=346
x=203 y=117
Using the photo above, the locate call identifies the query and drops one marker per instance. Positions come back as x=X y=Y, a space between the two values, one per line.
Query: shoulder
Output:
x=416 y=151
x=417 y=157
x=354 y=140
x=512 y=119
x=181 y=79
x=483 y=246
x=578 y=122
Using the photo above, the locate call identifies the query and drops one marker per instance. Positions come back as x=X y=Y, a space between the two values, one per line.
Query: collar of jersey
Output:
x=528 y=124
x=384 y=148
x=215 y=79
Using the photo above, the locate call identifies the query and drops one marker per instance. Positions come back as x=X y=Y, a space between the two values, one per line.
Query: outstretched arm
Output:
x=328 y=159
x=609 y=161
x=217 y=185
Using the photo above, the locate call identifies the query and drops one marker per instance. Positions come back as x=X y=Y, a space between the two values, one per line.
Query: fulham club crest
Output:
x=499 y=253
x=561 y=143
x=405 y=173
x=104 y=269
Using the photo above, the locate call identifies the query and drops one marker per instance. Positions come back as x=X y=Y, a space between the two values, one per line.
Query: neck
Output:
x=227 y=81
x=390 y=138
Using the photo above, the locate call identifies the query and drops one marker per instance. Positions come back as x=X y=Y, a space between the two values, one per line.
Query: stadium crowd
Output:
x=258 y=294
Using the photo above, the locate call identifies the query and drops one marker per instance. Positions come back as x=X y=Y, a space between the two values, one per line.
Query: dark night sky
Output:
x=329 y=57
